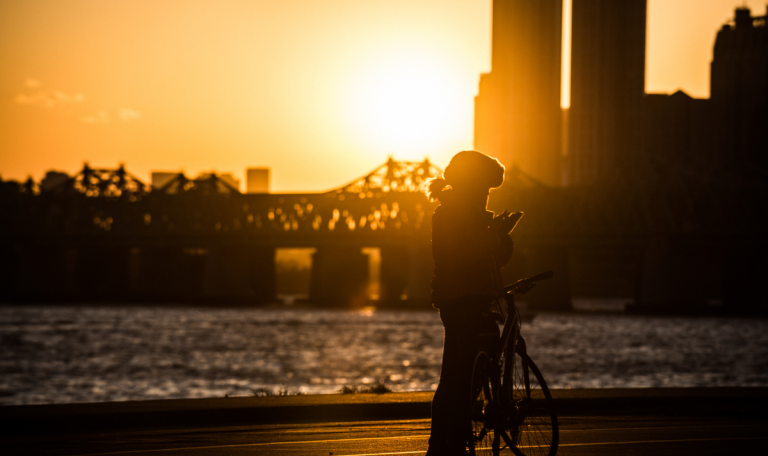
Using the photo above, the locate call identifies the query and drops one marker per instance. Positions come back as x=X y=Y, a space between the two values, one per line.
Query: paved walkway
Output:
x=640 y=421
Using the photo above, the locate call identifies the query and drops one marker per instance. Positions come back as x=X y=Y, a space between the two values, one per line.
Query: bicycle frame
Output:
x=516 y=405
x=509 y=342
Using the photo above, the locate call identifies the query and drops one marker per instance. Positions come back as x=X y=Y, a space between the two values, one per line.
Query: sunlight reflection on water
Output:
x=84 y=354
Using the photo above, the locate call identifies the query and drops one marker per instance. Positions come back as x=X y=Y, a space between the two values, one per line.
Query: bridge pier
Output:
x=170 y=273
x=104 y=273
x=46 y=272
x=395 y=265
x=422 y=269
x=262 y=274
x=9 y=272
x=340 y=277
x=238 y=273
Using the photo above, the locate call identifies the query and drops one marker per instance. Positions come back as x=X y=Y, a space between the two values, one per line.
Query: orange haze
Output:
x=321 y=92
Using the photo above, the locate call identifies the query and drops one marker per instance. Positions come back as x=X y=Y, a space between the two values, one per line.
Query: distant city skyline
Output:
x=608 y=89
x=518 y=113
x=229 y=85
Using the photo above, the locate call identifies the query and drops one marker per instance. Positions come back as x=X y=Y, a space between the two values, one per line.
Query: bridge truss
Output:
x=673 y=219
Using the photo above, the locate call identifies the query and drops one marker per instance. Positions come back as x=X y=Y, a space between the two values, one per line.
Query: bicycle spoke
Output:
x=481 y=440
x=508 y=440
x=512 y=409
x=531 y=428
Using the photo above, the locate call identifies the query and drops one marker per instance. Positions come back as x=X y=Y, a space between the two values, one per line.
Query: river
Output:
x=60 y=354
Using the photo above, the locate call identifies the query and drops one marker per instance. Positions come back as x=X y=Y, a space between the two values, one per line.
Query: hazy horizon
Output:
x=321 y=93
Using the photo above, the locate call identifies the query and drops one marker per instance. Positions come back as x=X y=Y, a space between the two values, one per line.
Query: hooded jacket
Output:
x=466 y=252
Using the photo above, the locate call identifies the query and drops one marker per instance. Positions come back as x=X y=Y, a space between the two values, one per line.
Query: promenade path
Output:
x=696 y=421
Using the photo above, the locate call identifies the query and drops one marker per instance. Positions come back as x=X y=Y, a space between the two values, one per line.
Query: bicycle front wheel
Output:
x=530 y=425
x=481 y=438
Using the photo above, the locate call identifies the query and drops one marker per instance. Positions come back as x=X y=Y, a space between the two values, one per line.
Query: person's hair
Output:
x=434 y=188
x=467 y=169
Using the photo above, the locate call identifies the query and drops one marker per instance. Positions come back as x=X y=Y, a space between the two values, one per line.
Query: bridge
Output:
x=676 y=241
x=105 y=235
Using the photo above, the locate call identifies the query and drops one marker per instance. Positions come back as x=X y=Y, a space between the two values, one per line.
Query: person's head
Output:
x=469 y=173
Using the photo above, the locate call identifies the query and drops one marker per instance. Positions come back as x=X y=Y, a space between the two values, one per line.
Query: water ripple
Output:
x=85 y=354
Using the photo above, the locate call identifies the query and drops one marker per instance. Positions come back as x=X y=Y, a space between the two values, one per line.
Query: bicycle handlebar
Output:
x=529 y=281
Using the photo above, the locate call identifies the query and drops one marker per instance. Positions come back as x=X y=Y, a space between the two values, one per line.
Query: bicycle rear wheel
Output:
x=481 y=439
x=530 y=424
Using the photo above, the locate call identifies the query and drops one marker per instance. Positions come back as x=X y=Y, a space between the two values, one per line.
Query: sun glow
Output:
x=408 y=106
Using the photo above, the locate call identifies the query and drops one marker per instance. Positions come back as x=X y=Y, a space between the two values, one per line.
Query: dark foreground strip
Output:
x=589 y=444
x=46 y=419
x=631 y=442
x=241 y=445
x=215 y=417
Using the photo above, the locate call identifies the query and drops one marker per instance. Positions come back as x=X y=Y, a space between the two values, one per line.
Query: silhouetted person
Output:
x=469 y=246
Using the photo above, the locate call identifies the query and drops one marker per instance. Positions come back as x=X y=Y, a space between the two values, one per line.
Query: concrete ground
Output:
x=700 y=421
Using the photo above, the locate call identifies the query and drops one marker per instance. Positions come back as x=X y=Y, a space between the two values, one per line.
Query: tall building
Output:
x=517 y=109
x=607 y=89
x=678 y=133
x=739 y=89
x=257 y=180
x=725 y=132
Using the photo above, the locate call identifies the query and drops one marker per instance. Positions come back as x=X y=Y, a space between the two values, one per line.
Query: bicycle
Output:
x=510 y=402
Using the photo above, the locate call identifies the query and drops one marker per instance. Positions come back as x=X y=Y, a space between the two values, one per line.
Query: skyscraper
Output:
x=739 y=89
x=517 y=109
x=607 y=89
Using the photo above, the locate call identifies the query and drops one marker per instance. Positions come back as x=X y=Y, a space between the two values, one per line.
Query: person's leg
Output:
x=451 y=403
x=441 y=403
x=447 y=403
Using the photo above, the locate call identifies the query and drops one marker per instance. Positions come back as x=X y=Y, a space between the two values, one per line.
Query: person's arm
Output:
x=461 y=241
x=503 y=224
x=504 y=252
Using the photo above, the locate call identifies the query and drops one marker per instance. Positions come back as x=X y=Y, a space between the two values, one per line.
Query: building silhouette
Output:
x=53 y=179
x=607 y=89
x=739 y=88
x=725 y=133
x=678 y=130
x=161 y=178
x=517 y=109
x=614 y=132
x=229 y=179
x=257 y=180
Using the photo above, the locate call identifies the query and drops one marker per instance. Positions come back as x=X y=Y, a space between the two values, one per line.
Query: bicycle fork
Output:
x=509 y=417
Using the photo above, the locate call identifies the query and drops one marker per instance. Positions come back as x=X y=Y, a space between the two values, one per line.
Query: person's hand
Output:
x=511 y=221
x=525 y=287
x=498 y=221
x=505 y=222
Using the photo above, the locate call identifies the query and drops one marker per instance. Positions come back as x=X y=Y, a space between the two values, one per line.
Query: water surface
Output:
x=85 y=354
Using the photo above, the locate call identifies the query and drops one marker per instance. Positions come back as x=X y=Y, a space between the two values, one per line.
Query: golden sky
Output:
x=319 y=91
